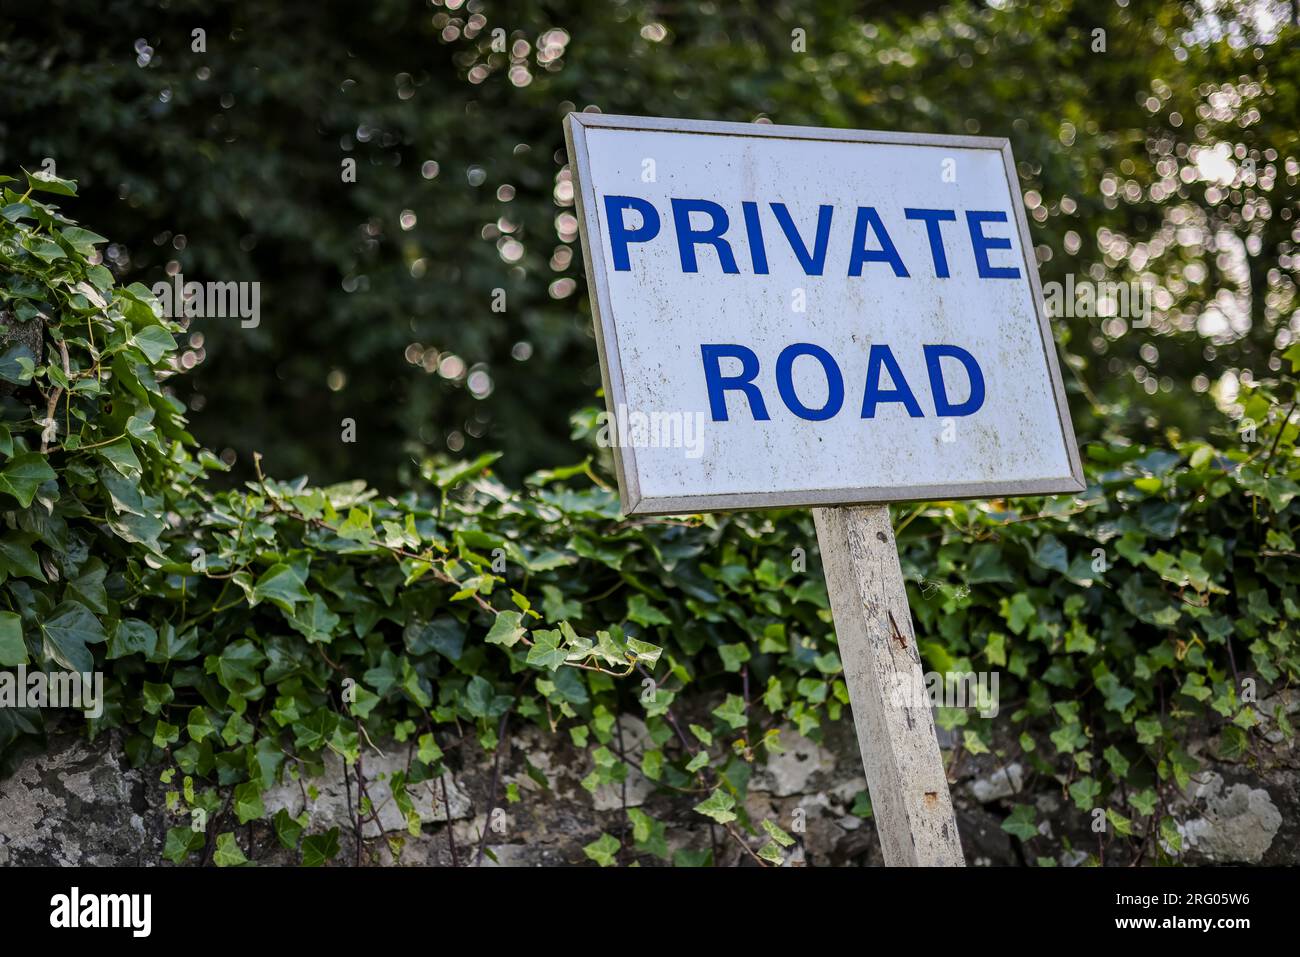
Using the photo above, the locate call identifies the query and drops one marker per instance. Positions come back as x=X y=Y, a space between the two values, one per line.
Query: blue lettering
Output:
x=868 y=218
x=814 y=264
x=812 y=257
x=942 y=405
x=982 y=244
x=932 y=218
x=754 y=232
x=688 y=237
x=785 y=383
x=718 y=384
x=881 y=358
x=620 y=236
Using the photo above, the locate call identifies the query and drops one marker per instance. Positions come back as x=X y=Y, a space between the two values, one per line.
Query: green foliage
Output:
x=483 y=602
x=92 y=448
x=247 y=633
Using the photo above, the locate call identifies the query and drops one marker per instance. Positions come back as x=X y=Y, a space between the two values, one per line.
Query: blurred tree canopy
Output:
x=1155 y=142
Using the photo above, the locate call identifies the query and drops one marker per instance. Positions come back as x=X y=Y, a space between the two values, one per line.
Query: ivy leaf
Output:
x=1118 y=763
x=319 y=849
x=228 y=852
x=82 y=240
x=1148 y=604
x=482 y=701
x=364 y=702
x=1122 y=825
x=154 y=341
x=265 y=761
x=237 y=667
x=461 y=471
x=88 y=586
x=248 y=802
x=132 y=637
x=288 y=829
x=315 y=731
x=506 y=629
x=733 y=656
x=155 y=697
x=23 y=475
x=1118 y=697
x=122 y=457
x=314 y=621
x=139 y=529
x=546 y=651
x=1170 y=835
x=13 y=650
x=445 y=635
x=1084 y=793
x=1022 y=822
x=281 y=586
x=640 y=611
x=181 y=843
x=777 y=834
x=1149 y=730
x=1233 y=743
x=685 y=857
x=648 y=833
x=603 y=849
x=1144 y=802
x=429 y=752
x=69 y=629
x=17 y=364
x=1051 y=554
x=199 y=725
x=652 y=764
x=609 y=649
x=165 y=734
x=43 y=181
x=1018 y=611
x=718 y=806
x=732 y=712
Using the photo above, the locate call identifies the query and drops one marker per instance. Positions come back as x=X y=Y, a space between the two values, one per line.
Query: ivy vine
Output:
x=245 y=634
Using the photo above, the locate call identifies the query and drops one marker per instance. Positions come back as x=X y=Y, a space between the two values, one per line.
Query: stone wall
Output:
x=80 y=803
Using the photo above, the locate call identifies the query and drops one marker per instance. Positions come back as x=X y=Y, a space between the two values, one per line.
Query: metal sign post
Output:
x=838 y=319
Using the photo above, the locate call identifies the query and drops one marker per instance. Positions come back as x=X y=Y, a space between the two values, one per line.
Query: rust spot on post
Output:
x=898 y=635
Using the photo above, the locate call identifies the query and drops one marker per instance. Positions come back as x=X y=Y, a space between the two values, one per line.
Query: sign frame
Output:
x=632 y=500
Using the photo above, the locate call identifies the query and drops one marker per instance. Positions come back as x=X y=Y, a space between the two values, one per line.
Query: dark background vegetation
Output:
x=226 y=165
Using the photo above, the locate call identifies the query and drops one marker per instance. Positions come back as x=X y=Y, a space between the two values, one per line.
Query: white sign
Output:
x=797 y=316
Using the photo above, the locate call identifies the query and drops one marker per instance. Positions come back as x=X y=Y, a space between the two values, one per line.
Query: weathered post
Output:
x=882 y=668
